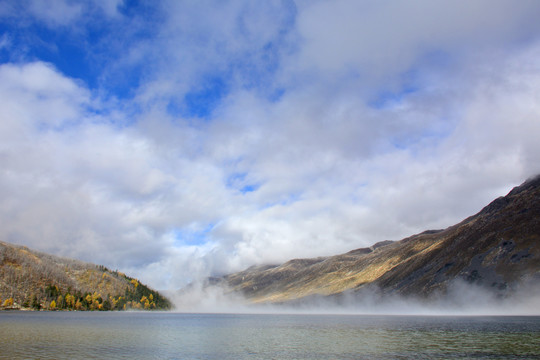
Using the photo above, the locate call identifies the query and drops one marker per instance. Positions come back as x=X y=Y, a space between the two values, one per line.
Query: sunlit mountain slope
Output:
x=497 y=249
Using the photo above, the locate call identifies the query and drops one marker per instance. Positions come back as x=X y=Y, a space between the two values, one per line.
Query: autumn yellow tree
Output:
x=8 y=302
x=145 y=302
x=88 y=300
x=113 y=303
x=52 y=305
x=60 y=303
x=70 y=301
x=95 y=301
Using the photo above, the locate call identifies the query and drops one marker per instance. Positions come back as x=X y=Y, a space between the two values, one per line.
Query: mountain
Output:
x=497 y=249
x=32 y=279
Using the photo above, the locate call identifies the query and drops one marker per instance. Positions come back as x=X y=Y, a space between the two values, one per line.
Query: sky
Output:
x=173 y=140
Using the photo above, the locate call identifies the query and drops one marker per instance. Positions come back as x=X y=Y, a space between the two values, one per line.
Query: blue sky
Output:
x=180 y=139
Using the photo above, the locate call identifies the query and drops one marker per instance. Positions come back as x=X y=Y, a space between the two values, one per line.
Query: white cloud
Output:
x=66 y=176
x=36 y=95
x=386 y=38
x=237 y=42
x=470 y=140
x=341 y=125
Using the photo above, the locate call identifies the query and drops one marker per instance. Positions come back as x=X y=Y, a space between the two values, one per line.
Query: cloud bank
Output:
x=174 y=140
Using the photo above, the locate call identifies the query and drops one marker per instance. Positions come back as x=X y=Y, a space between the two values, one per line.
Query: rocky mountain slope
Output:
x=497 y=249
x=32 y=279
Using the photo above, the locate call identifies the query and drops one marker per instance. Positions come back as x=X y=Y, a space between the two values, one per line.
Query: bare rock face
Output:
x=497 y=249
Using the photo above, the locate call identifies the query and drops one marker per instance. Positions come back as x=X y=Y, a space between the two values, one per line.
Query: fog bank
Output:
x=460 y=299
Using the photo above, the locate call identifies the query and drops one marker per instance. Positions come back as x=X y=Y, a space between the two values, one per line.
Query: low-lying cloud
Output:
x=460 y=299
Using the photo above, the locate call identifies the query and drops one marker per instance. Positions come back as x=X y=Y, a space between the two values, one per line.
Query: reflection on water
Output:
x=76 y=335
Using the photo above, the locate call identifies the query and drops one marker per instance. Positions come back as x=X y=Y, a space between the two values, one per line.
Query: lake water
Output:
x=141 y=335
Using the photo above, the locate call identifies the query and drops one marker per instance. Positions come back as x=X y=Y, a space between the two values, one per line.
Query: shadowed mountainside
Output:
x=32 y=279
x=497 y=249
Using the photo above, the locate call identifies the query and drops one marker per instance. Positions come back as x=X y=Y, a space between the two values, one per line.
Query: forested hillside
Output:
x=35 y=280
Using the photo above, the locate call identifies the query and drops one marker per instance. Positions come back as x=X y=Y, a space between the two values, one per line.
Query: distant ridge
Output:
x=34 y=280
x=496 y=249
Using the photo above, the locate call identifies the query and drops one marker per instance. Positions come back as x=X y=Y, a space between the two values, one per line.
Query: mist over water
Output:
x=460 y=299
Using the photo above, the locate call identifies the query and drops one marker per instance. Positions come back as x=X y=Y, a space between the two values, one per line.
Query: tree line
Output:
x=53 y=298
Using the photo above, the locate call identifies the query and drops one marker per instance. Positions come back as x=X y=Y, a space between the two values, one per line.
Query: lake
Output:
x=152 y=335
